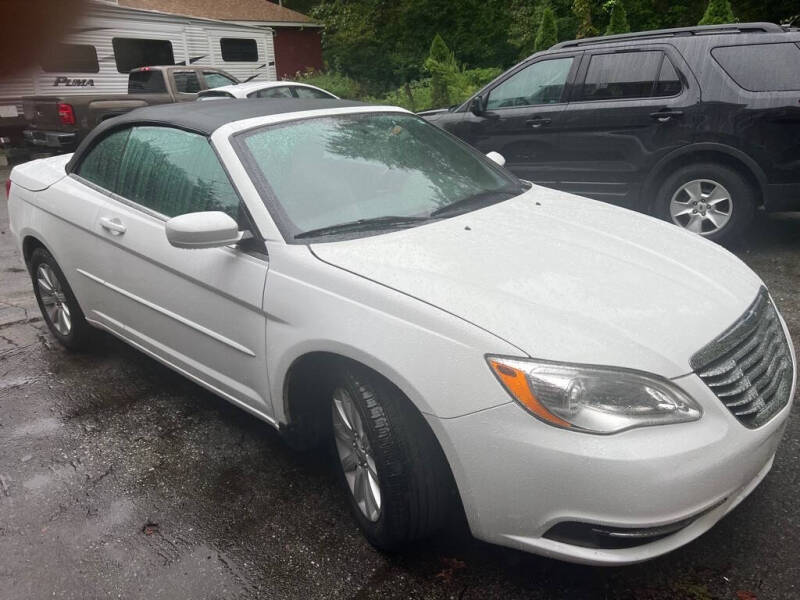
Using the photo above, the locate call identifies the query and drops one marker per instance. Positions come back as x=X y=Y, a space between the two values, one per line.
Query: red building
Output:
x=298 y=39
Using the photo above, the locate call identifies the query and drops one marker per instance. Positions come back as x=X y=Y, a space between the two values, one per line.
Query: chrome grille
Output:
x=749 y=366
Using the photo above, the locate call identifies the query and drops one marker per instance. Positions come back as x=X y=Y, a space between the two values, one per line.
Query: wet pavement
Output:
x=119 y=478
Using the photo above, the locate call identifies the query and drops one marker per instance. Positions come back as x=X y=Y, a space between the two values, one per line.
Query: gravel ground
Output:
x=119 y=478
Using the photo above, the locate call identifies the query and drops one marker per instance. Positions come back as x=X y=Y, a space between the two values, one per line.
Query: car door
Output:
x=629 y=108
x=521 y=117
x=198 y=310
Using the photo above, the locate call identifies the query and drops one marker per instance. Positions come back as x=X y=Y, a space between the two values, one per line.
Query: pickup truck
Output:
x=60 y=122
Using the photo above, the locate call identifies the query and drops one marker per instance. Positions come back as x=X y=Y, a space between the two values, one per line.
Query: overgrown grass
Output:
x=415 y=96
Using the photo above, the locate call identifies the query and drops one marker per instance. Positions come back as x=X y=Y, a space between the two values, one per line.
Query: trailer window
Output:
x=238 y=50
x=70 y=58
x=132 y=53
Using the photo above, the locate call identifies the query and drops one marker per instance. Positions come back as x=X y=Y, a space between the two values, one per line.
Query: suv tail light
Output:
x=66 y=114
x=8 y=188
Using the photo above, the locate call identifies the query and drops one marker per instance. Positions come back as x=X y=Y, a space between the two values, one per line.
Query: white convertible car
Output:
x=589 y=383
x=266 y=89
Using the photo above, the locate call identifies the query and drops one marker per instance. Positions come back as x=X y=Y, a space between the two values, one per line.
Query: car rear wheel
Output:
x=60 y=309
x=396 y=477
x=711 y=200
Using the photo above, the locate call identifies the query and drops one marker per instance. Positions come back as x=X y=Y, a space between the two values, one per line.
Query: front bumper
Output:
x=519 y=477
x=50 y=139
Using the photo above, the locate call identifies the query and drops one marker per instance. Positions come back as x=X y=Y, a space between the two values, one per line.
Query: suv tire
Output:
x=710 y=199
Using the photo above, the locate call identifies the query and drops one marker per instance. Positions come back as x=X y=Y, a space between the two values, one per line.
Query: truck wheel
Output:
x=59 y=307
x=708 y=199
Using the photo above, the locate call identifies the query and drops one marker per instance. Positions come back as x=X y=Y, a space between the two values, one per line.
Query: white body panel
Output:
x=194 y=41
x=545 y=274
x=243 y=89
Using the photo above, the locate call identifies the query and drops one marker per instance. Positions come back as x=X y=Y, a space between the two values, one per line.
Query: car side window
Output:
x=540 y=83
x=101 y=164
x=622 y=76
x=273 y=92
x=214 y=80
x=186 y=82
x=174 y=172
x=307 y=92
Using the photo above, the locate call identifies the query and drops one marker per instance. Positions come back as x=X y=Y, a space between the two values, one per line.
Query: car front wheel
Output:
x=395 y=475
x=711 y=200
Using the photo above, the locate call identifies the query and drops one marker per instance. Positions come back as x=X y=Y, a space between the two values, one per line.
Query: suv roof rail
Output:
x=675 y=32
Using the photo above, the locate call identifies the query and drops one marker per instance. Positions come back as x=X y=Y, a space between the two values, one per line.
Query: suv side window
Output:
x=174 y=172
x=628 y=75
x=101 y=164
x=540 y=83
x=762 y=67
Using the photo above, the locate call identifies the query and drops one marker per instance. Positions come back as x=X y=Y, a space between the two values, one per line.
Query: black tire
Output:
x=414 y=479
x=79 y=333
x=742 y=205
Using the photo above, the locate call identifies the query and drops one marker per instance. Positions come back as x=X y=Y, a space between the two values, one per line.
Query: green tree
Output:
x=618 y=22
x=583 y=10
x=548 y=30
x=441 y=64
x=718 y=12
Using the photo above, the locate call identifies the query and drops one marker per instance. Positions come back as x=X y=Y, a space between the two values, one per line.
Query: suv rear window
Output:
x=762 y=67
x=146 y=82
x=627 y=75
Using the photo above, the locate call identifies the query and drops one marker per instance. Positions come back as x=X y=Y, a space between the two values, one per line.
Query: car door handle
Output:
x=538 y=121
x=113 y=225
x=665 y=115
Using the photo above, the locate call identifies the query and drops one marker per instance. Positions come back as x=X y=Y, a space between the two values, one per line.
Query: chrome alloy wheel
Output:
x=53 y=299
x=355 y=454
x=702 y=206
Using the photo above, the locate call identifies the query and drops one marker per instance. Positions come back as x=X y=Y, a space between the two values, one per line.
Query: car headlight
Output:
x=593 y=399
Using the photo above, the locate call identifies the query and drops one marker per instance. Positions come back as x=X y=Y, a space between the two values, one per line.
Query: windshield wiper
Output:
x=481 y=198
x=384 y=222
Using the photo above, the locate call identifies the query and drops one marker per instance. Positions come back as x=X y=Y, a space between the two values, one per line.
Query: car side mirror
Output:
x=477 y=106
x=209 y=229
x=496 y=157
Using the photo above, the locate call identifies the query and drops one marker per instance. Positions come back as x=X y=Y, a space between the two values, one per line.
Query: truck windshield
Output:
x=146 y=82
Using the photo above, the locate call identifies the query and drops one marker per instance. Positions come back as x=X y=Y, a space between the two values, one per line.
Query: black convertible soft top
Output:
x=202 y=117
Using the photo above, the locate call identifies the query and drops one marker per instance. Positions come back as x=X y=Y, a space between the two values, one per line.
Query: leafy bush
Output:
x=718 y=12
x=336 y=83
x=418 y=95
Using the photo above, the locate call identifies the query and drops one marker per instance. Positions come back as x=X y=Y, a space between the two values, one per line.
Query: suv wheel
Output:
x=395 y=474
x=708 y=199
x=59 y=307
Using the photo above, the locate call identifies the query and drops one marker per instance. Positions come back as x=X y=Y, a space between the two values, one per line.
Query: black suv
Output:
x=700 y=126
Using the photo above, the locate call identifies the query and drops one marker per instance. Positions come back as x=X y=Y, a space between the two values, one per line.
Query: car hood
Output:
x=565 y=278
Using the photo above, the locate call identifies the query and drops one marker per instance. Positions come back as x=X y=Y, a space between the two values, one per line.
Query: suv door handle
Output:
x=665 y=115
x=113 y=225
x=538 y=121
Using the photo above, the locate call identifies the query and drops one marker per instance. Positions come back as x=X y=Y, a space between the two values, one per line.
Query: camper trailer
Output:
x=109 y=41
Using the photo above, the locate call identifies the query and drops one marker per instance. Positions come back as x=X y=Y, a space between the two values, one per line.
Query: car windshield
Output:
x=363 y=173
